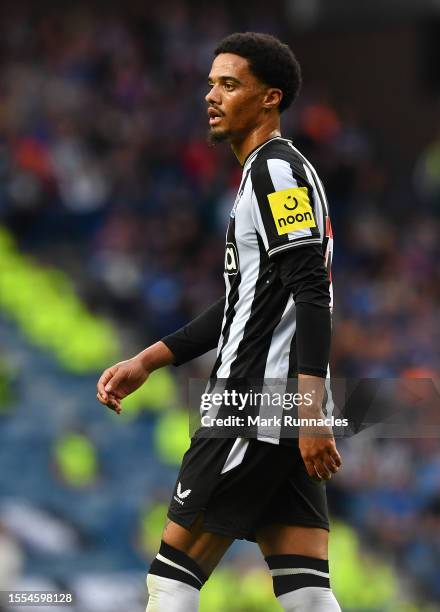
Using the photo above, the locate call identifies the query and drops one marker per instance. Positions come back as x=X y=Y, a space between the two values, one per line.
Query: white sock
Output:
x=309 y=599
x=174 y=581
x=302 y=583
x=167 y=595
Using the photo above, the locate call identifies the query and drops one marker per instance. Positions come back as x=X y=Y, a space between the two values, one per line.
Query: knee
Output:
x=302 y=583
x=174 y=582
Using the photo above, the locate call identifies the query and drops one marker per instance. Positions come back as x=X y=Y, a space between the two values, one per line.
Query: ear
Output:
x=272 y=98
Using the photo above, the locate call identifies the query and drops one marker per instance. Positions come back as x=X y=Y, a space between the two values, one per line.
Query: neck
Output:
x=260 y=134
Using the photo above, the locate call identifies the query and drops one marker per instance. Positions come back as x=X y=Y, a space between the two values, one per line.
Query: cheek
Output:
x=244 y=111
x=241 y=112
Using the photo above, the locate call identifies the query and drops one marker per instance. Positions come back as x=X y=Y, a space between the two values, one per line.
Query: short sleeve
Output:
x=282 y=206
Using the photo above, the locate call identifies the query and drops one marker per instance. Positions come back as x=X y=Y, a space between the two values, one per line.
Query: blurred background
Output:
x=112 y=218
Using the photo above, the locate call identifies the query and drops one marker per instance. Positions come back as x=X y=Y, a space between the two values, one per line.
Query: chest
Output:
x=241 y=227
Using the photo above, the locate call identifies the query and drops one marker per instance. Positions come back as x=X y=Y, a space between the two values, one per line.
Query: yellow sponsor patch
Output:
x=291 y=209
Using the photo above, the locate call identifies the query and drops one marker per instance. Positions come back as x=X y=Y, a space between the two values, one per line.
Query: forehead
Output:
x=229 y=64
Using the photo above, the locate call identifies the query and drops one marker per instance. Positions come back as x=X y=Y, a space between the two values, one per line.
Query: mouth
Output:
x=214 y=116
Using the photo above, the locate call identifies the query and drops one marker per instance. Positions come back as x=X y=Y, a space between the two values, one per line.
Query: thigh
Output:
x=198 y=477
x=296 y=519
x=293 y=540
x=299 y=501
x=197 y=480
x=205 y=548
x=228 y=482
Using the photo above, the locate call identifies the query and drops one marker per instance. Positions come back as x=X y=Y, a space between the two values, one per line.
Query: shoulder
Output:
x=279 y=157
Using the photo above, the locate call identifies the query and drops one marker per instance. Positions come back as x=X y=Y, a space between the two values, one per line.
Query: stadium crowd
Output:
x=105 y=172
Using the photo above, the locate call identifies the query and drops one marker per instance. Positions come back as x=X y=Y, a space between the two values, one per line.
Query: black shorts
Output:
x=242 y=485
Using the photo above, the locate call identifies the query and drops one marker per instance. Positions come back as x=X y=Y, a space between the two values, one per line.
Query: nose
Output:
x=213 y=97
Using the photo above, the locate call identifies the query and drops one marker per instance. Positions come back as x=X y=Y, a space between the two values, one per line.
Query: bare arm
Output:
x=194 y=339
x=126 y=376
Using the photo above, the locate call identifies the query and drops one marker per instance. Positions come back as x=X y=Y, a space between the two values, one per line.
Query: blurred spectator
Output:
x=75 y=460
x=38 y=529
x=7 y=380
x=11 y=560
x=427 y=175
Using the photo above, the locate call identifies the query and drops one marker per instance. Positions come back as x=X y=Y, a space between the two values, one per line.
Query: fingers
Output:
x=111 y=402
x=323 y=465
x=115 y=405
x=334 y=460
x=310 y=467
x=106 y=376
x=335 y=456
x=104 y=387
x=112 y=386
x=322 y=470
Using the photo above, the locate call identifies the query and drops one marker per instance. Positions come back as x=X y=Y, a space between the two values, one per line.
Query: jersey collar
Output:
x=254 y=152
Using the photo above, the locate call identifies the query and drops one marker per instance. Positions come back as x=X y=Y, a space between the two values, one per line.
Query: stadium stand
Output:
x=111 y=235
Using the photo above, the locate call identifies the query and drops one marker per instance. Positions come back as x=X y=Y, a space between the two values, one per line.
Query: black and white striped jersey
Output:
x=280 y=205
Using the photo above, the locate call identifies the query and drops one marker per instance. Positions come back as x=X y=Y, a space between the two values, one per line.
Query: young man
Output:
x=273 y=323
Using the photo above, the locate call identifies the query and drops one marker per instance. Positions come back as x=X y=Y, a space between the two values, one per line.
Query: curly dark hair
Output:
x=271 y=62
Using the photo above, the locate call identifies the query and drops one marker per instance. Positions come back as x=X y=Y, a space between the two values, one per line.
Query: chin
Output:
x=216 y=136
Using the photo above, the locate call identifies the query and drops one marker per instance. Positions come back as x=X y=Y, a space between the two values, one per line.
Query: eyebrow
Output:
x=225 y=78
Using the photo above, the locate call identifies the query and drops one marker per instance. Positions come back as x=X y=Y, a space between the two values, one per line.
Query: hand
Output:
x=119 y=381
x=316 y=442
x=320 y=456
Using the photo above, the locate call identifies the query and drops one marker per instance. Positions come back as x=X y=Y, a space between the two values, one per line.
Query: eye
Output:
x=229 y=86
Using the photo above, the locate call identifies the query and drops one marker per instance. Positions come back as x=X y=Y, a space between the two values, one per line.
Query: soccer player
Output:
x=273 y=323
